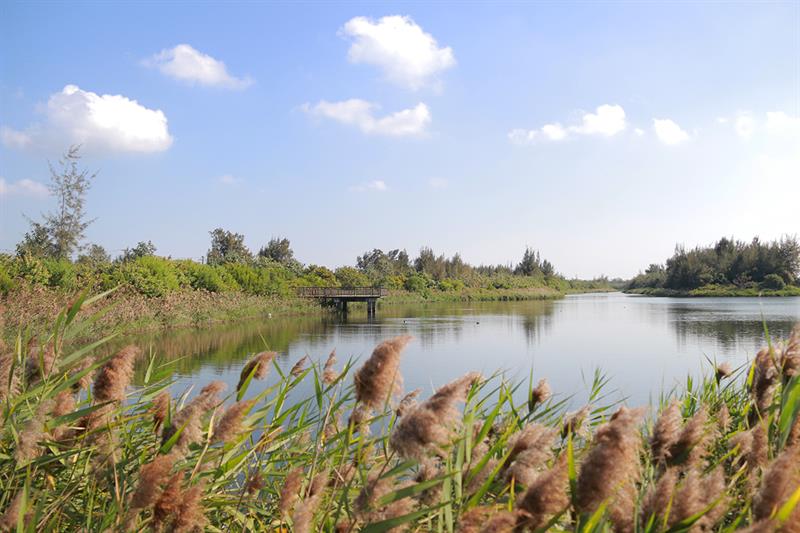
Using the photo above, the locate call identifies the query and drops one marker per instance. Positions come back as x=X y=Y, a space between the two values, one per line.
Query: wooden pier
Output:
x=339 y=297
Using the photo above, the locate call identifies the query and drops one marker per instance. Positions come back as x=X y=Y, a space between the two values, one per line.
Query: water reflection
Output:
x=644 y=344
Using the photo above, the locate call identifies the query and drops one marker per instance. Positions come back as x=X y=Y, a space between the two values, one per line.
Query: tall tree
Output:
x=227 y=247
x=279 y=250
x=68 y=184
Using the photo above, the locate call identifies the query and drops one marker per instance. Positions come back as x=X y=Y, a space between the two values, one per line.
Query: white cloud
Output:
x=745 y=125
x=639 y=131
x=374 y=185
x=399 y=46
x=781 y=123
x=361 y=114
x=14 y=139
x=669 y=132
x=229 y=179
x=607 y=120
x=192 y=66
x=438 y=183
x=112 y=123
x=23 y=187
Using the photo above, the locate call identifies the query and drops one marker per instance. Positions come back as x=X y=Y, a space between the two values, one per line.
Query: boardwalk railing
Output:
x=336 y=292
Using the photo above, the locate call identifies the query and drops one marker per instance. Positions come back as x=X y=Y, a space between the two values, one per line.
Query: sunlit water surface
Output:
x=645 y=345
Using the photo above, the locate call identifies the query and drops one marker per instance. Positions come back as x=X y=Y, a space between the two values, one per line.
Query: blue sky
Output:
x=600 y=133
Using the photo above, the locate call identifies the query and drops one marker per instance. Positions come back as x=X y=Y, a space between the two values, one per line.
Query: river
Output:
x=645 y=345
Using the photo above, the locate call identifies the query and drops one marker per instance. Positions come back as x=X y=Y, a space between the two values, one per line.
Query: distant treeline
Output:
x=272 y=271
x=767 y=265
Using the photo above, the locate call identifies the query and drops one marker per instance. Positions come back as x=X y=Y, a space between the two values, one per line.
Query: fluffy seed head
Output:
x=665 y=432
x=160 y=409
x=408 y=402
x=690 y=446
x=299 y=366
x=530 y=448
x=329 y=374
x=724 y=370
x=546 y=496
x=151 y=476
x=190 y=515
x=290 y=491
x=540 y=394
x=379 y=378
x=230 y=425
x=258 y=365
x=765 y=380
x=115 y=376
x=790 y=355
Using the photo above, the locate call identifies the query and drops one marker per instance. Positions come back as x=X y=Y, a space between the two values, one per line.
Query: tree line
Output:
x=768 y=265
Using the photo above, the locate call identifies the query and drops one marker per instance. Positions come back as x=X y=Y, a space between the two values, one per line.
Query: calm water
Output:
x=646 y=345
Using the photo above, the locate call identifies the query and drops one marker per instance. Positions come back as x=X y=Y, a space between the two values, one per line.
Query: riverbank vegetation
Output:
x=328 y=445
x=726 y=268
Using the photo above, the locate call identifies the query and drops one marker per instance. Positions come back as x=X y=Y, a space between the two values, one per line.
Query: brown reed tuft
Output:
x=189 y=418
x=329 y=374
x=10 y=518
x=765 y=380
x=299 y=366
x=658 y=501
x=32 y=433
x=190 y=515
x=167 y=504
x=290 y=491
x=9 y=381
x=530 y=448
x=540 y=394
x=574 y=422
x=429 y=468
x=694 y=495
x=665 y=432
x=546 y=496
x=690 y=446
x=430 y=425
x=790 y=354
x=255 y=482
x=114 y=377
x=611 y=469
x=780 y=480
x=379 y=378
x=408 y=402
x=160 y=409
x=724 y=370
x=151 y=477
x=366 y=503
x=486 y=519
x=85 y=380
x=303 y=517
x=258 y=365
x=64 y=403
x=723 y=419
x=40 y=362
x=230 y=424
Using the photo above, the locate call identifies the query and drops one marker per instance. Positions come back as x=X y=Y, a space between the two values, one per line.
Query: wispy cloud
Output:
x=23 y=187
x=397 y=45
x=187 y=64
x=374 y=185
x=361 y=114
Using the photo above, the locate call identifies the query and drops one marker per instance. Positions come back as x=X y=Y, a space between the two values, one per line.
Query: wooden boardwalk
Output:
x=340 y=297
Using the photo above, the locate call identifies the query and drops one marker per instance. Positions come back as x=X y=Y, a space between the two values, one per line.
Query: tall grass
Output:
x=82 y=449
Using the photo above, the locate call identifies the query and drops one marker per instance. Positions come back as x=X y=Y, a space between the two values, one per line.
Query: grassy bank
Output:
x=324 y=448
x=476 y=295
x=717 y=290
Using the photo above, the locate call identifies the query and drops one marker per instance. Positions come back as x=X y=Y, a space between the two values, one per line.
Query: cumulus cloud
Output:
x=374 y=185
x=112 y=123
x=24 y=187
x=607 y=120
x=361 y=114
x=397 y=45
x=669 y=132
x=187 y=64
x=745 y=125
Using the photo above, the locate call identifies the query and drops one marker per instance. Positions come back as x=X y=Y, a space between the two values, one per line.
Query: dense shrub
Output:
x=151 y=276
x=351 y=277
x=773 y=281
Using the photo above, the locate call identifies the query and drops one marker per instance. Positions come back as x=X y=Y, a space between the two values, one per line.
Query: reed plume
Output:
x=430 y=425
x=9 y=381
x=64 y=403
x=367 y=505
x=299 y=366
x=408 y=402
x=166 y=506
x=32 y=433
x=546 y=496
x=303 y=517
x=114 y=377
x=290 y=491
x=765 y=380
x=379 y=378
x=665 y=433
x=540 y=394
x=329 y=374
x=86 y=379
x=780 y=481
x=190 y=515
x=487 y=519
x=40 y=362
x=230 y=424
x=255 y=482
x=10 y=518
x=690 y=446
x=152 y=476
x=658 y=501
x=160 y=409
x=611 y=469
x=694 y=495
x=574 y=422
x=258 y=366
x=724 y=370
x=790 y=355
x=189 y=418
x=530 y=448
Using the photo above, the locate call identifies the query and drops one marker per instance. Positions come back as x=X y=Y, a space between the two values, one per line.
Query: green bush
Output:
x=350 y=277
x=417 y=283
x=207 y=277
x=6 y=281
x=151 y=276
x=61 y=274
x=773 y=281
x=451 y=285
